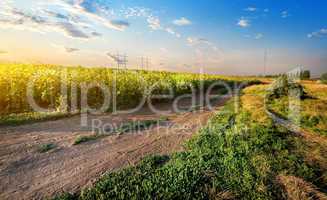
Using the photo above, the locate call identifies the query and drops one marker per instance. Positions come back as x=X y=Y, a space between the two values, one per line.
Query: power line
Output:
x=120 y=59
x=144 y=63
x=124 y=60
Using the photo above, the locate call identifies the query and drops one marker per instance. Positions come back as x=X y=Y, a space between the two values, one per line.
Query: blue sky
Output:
x=223 y=37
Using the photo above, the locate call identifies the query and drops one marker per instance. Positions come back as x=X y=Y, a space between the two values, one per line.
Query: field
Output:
x=130 y=86
x=235 y=151
x=312 y=110
x=163 y=100
x=242 y=155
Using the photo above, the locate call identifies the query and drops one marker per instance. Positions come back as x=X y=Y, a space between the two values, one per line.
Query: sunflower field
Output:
x=44 y=84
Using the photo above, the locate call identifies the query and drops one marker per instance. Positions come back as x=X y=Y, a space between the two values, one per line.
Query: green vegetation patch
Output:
x=324 y=78
x=232 y=157
x=129 y=86
x=313 y=109
x=43 y=148
x=87 y=138
x=282 y=86
x=23 y=118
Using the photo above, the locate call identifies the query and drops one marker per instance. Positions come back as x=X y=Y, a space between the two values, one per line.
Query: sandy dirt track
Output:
x=27 y=174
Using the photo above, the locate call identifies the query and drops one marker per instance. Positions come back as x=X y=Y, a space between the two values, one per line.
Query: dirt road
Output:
x=27 y=174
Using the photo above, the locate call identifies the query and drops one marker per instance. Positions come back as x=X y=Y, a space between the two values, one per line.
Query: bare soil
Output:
x=27 y=174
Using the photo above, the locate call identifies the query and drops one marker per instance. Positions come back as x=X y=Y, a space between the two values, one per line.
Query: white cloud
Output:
x=154 y=23
x=136 y=12
x=258 y=36
x=78 y=9
x=318 y=34
x=171 y=31
x=243 y=23
x=22 y=20
x=67 y=17
x=152 y=20
x=203 y=44
x=250 y=9
x=182 y=22
x=285 y=14
x=196 y=41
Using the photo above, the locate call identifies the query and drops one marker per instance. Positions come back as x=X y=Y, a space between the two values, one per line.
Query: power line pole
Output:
x=124 y=60
x=144 y=63
x=121 y=60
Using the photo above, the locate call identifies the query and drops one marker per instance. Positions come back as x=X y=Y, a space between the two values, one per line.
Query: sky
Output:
x=228 y=37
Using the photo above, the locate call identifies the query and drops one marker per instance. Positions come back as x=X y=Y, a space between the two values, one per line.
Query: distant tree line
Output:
x=323 y=78
x=303 y=75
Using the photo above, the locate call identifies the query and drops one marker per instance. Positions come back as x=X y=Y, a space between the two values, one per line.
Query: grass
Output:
x=43 y=148
x=235 y=156
x=316 y=90
x=313 y=109
x=29 y=117
x=87 y=138
x=253 y=103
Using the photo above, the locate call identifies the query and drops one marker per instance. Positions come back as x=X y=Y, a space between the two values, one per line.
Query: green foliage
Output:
x=312 y=113
x=46 y=147
x=305 y=75
x=312 y=122
x=232 y=154
x=324 y=78
x=130 y=85
x=284 y=87
x=22 y=118
x=83 y=139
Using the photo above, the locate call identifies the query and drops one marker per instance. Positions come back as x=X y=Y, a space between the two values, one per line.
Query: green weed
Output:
x=46 y=147
x=87 y=138
x=23 y=118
